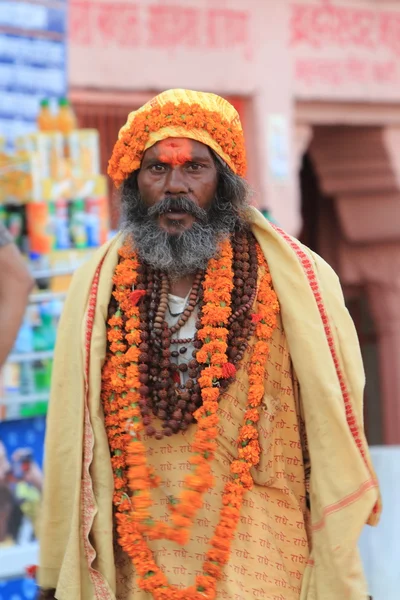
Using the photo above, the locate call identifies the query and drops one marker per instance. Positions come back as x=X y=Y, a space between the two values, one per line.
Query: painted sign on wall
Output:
x=158 y=26
x=343 y=47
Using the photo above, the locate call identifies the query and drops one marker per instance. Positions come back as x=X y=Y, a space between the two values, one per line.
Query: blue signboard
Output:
x=32 y=62
x=21 y=589
x=21 y=481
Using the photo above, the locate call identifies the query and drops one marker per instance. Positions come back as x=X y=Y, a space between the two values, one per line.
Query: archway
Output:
x=321 y=228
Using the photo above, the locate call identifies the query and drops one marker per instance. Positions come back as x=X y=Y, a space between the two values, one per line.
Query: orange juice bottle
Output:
x=45 y=119
x=66 y=119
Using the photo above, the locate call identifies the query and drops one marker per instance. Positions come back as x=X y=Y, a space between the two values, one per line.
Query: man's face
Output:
x=177 y=167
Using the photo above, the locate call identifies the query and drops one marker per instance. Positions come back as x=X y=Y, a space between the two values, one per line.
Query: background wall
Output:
x=239 y=49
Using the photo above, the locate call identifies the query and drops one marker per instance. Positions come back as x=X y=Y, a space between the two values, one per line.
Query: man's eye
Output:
x=194 y=167
x=157 y=168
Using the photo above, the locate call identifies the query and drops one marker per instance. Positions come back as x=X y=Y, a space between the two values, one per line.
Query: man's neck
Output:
x=181 y=287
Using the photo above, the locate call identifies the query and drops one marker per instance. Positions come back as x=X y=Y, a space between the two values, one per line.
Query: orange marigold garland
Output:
x=123 y=423
x=129 y=149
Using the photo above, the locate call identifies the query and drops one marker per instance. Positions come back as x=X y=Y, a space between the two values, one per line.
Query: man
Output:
x=205 y=434
x=15 y=286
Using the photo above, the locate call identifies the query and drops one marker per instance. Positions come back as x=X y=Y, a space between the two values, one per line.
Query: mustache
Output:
x=178 y=204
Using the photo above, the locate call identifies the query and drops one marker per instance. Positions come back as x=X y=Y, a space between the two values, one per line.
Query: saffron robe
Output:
x=77 y=535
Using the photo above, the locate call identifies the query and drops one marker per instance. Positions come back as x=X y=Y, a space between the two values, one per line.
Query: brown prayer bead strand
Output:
x=241 y=351
x=240 y=321
x=181 y=417
x=238 y=247
x=163 y=406
x=163 y=304
x=144 y=357
x=182 y=340
x=239 y=244
x=248 y=299
x=149 y=401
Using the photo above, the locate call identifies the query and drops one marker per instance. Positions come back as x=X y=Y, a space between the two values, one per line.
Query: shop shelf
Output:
x=46 y=297
x=15 y=559
x=30 y=356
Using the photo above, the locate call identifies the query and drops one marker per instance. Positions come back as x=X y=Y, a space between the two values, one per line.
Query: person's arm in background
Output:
x=16 y=284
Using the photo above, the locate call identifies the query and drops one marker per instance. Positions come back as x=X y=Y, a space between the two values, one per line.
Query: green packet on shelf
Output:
x=37 y=409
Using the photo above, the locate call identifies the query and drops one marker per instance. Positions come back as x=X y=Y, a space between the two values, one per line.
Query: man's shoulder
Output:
x=88 y=268
x=288 y=248
x=305 y=255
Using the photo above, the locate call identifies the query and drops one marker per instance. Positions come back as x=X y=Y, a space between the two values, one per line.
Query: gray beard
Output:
x=177 y=255
x=187 y=252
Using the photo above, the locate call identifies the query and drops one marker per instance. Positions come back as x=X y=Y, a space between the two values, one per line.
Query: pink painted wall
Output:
x=346 y=49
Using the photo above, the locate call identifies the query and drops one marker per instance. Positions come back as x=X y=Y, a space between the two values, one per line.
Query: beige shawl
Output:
x=76 y=540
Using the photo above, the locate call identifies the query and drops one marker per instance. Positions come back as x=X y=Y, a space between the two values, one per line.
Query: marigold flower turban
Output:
x=200 y=116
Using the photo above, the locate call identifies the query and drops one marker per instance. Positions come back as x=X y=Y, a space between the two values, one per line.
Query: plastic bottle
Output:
x=40 y=262
x=62 y=234
x=24 y=345
x=16 y=223
x=78 y=223
x=93 y=222
x=24 y=341
x=45 y=119
x=3 y=215
x=66 y=119
x=40 y=222
x=44 y=337
x=27 y=382
x=42 y=375
x=47 y=329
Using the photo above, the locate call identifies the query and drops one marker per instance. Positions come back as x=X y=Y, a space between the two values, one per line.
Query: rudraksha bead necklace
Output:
x=162 y=393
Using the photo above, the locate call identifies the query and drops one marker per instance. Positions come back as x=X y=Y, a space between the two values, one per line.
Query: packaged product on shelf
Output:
x=24 y=342
x=3 y=215
x=40 y=262
x=51 y=153
x=34 y=409
x=27 y=379
x=11 y=388
x=77 y=222
x=17 y=177
x=42 y=375
x=11 y=379
x=44 y=335
x=96 y=221
x=40 y=225
x=62 y=234
x=84 y=152
x=52 y=189
x=16 y=224
x=49 y=148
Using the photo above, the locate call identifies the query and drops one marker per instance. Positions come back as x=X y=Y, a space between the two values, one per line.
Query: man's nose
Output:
x=176 y=182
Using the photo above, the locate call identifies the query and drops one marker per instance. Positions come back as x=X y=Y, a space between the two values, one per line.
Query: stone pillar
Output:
x=377 y=268
x=302 y=139
x=384 y=302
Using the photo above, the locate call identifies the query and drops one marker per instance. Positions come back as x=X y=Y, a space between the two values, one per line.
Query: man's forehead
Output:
x=178 y=145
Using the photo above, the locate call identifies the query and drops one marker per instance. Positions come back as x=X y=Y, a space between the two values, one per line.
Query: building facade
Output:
x=317 y=85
